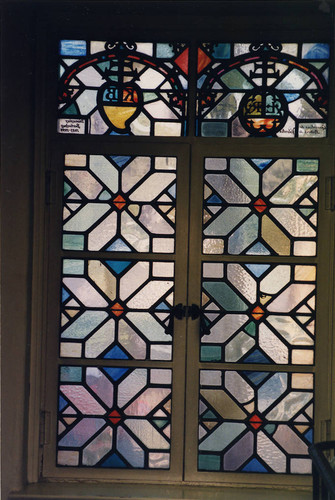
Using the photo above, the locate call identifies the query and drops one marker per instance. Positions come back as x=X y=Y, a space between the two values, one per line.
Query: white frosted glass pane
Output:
x=131 y=385
x=165 y=163
x=158 y=376
x=161 y=352
x=86 y=216
x=101 y=339
x=213 y=246
x=134 y=278
x=75 y=160
x=70 y=350
x=302 y=357
x=147 y=434
x=85 y=292
x=304 y=248
x=159 y=460
x=152 y=186
x=168 y=129
x=149 y=294
x=210 y=377
x=213 y=270
x=98 y=448
x=133 y=172
x=163 y=269
x=105 y=171
x=102 y=233
x=82 y=399
x=65 y=457
x=163 y=245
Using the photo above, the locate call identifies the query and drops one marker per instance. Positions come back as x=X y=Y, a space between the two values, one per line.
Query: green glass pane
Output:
x=71 y=374
x=210 y=353
x=246 y=174
x=251 y=328
x=215 y=129
x=225 y=296
x=73 y=266
x=67 y=188
x=305 y=165
x=73 y=242
x=235 y=80
x=208 y=462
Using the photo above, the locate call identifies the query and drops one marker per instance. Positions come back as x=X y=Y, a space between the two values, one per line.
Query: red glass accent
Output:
x=203 y=60
x=260 y=205
x=255 y=421
x=119 y=202
x=182 y=61
x=117 y=309
x=257 y=313
x=114 y=417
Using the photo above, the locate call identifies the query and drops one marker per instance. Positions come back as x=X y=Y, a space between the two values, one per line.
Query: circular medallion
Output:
x=263 y=113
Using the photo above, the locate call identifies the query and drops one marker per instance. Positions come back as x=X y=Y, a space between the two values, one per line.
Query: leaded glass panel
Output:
x=114 y=417
x=259 y=313
x=262 y=89
x=122 y=88
x=116 y=309
x=119 y=203
x=255 y=421
x=260 y=206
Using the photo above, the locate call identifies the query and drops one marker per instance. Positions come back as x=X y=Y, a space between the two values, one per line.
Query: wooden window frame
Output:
x=57 y=21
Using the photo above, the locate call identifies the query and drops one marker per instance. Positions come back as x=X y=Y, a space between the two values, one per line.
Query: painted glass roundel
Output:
x=262 y=90
x=122 y=88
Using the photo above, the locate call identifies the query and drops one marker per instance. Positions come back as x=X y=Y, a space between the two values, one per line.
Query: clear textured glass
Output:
x=113 y=419
x=260 y=206
x=119 y=203
x=255 y=421
x=258 y=313
x=116 y=309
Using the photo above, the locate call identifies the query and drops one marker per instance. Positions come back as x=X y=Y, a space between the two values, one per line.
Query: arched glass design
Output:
x=262 y=90
x=121 y=88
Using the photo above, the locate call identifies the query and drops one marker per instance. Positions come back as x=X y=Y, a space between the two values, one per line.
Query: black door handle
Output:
x=179 y=311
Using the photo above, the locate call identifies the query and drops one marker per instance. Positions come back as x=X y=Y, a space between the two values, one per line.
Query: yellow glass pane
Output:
x=305 y=273
x=275 y=237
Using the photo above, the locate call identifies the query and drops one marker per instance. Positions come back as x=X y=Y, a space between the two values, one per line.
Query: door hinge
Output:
x=50 y=187
x=330 y=194
x=44 y=435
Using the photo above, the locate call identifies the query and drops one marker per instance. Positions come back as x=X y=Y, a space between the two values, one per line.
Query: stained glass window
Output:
x=114 y=417
x=260 y=206
x=116 y=309
x=262 y=89
x=255 y=421
x=259 y=313
x=119 y=203
x=122 y=88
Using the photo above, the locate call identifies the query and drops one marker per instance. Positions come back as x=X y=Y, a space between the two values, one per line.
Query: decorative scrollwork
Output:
x=120 y=45
x=265 y=46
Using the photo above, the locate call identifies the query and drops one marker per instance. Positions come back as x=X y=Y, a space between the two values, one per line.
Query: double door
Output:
x=192 y=281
